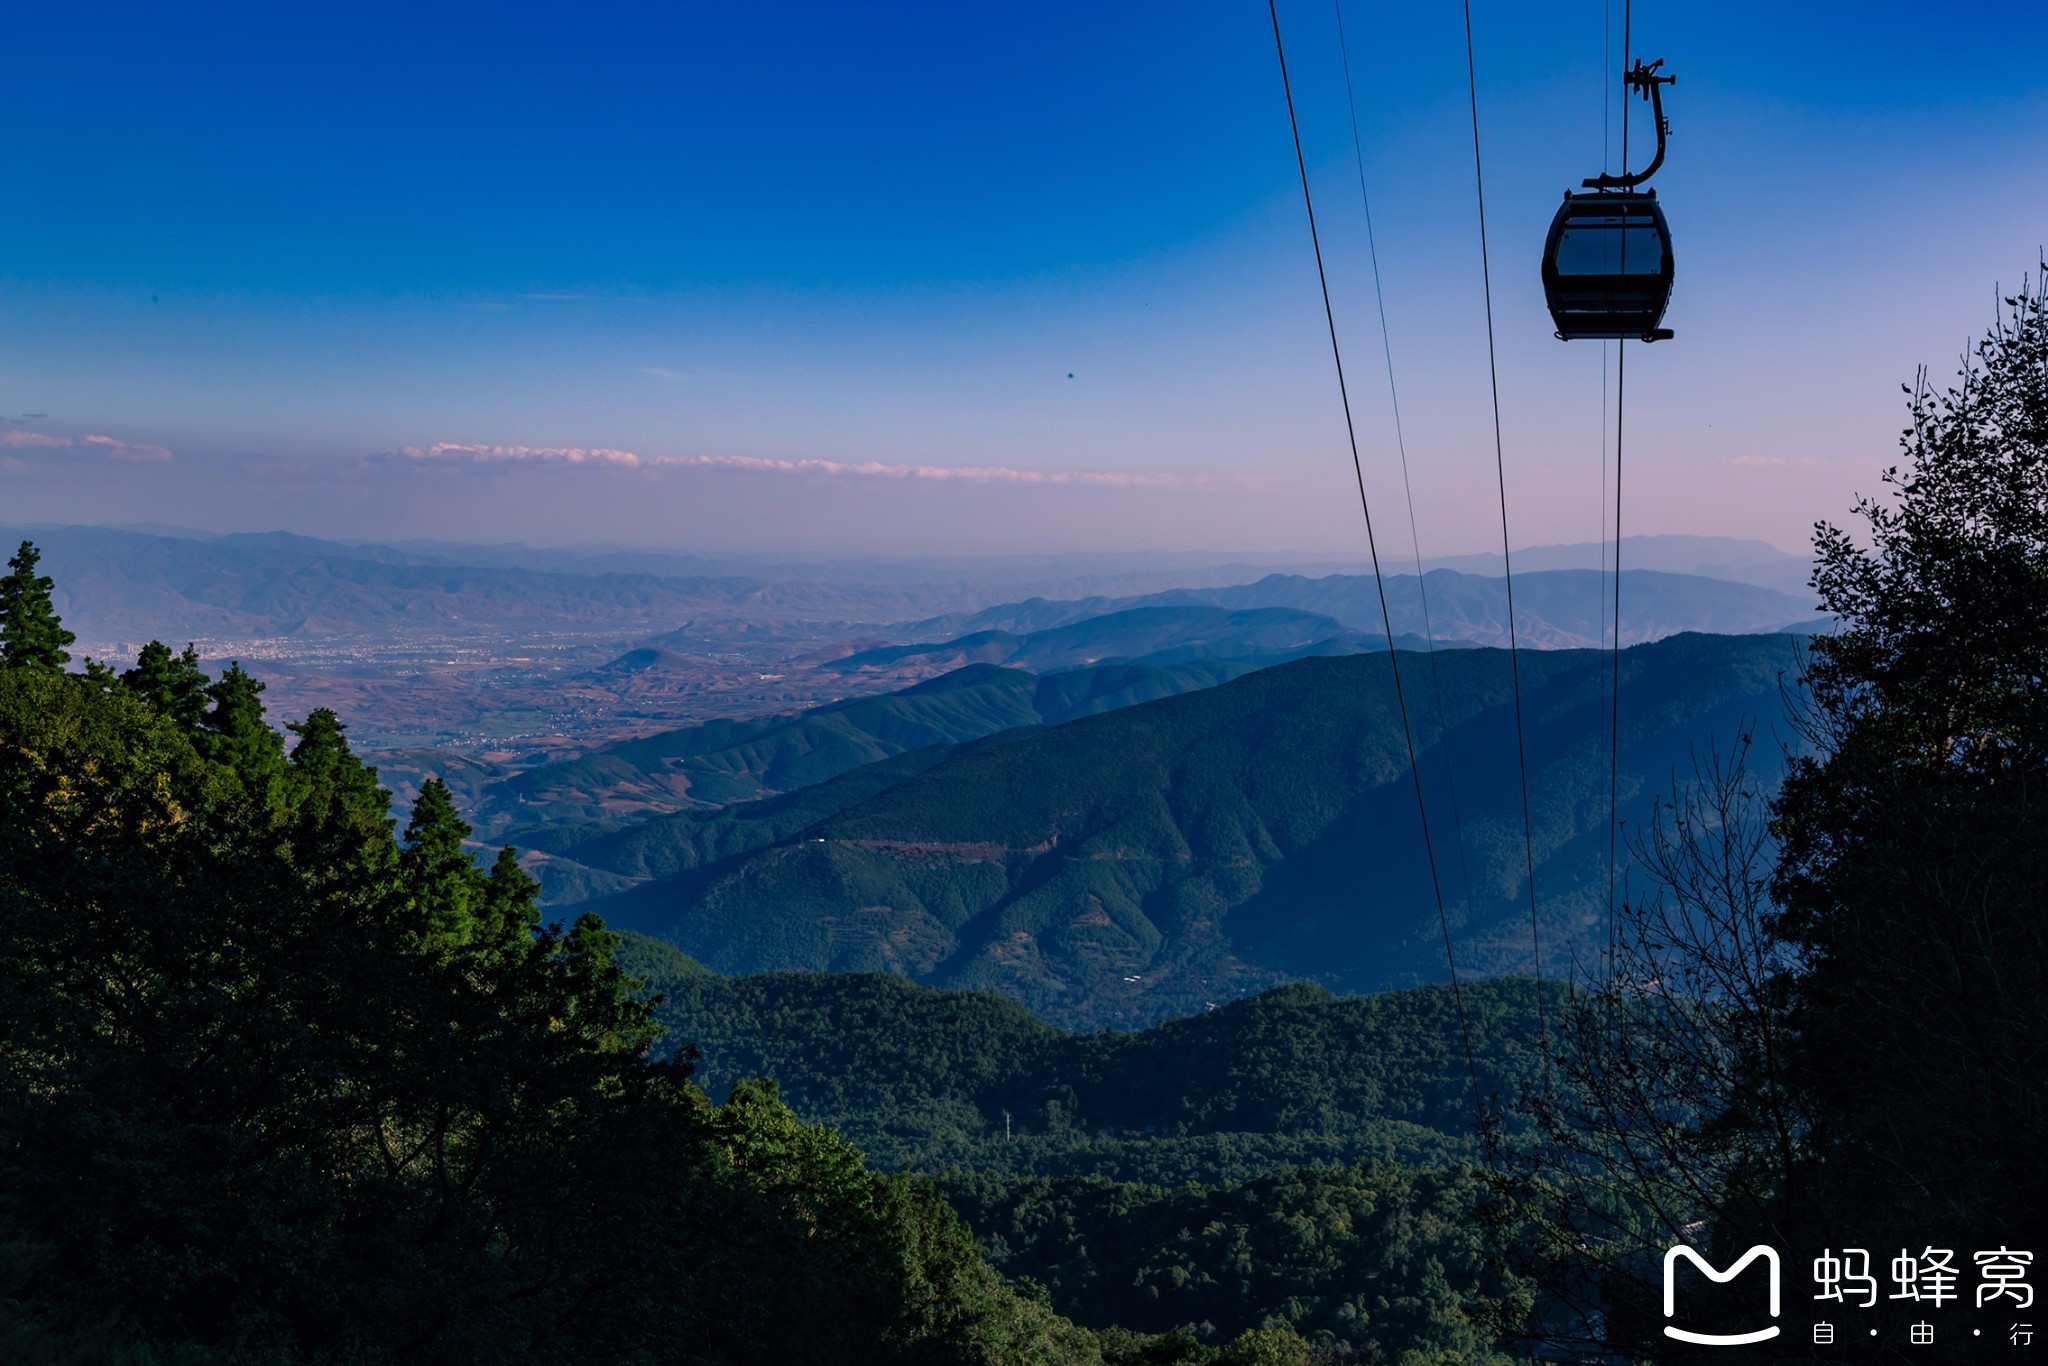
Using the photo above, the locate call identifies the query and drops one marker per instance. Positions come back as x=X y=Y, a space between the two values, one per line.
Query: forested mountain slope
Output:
x=934 y=1078
x=728 y=761
x=1146 y=862
x=1251 y=1166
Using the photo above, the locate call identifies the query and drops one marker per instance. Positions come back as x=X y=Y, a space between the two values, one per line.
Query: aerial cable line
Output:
x=1606 y=159
x=1591 y=295
x=1386 y=617
x=1614 y=656
x=1614 y=647
x=1606 y=165
x=1500 y=470
x=1401 y=445
x=1607 y=636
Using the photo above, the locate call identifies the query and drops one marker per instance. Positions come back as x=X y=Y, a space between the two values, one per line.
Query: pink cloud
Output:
x=105 y=447
x=455 y=453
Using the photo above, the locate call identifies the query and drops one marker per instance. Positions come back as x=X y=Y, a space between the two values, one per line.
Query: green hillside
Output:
x=727 y=761
x=935 y=1079
x=1156 y=859
x=1296 y=1158
x=1371 y=1262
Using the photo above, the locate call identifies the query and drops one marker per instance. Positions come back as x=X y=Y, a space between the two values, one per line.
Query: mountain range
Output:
x=125 y=585
x=728 y=761
x=1554 y=608
x=1712 y=557
x=1295 y=1158
x=1151 y=860
x=1126 y=656
x=1153 y=634
x=130 y=584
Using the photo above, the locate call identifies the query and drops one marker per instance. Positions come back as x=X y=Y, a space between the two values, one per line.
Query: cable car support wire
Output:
x=1365 y=506
x=1401 y=447
x=1644 y=81
x=1506 y=557
x=1628 y=19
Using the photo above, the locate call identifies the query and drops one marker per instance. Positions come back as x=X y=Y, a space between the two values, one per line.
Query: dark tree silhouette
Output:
x=1915 y=873
x=172 y=683
x=31 y=636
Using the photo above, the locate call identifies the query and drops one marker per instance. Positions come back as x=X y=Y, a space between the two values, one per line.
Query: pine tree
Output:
x=31 y=636
x=340 y=816
x=511 y=902
x=236 y=734
x=322 y=758
x=443 y=885
x=173 y=684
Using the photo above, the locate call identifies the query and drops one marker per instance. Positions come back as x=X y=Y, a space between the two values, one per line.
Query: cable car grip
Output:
x=1645 y=81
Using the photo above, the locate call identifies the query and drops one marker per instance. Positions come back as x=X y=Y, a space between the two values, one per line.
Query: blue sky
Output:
x=792 y=277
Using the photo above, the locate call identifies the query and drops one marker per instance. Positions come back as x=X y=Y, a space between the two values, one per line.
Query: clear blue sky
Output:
x=266 y=251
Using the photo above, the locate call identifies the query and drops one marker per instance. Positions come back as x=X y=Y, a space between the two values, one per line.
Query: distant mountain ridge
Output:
x=135 y=583
x=127 y=585
x=1714 y=557
x=1554 y=609
x=1160 y=634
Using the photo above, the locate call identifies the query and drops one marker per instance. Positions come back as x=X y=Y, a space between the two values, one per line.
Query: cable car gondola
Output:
x=1607 y=260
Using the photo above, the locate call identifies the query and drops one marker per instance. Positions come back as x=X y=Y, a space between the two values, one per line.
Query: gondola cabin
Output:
x=1607 y=266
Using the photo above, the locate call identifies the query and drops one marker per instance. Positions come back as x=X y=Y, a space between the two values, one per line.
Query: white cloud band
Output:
x=447 y=452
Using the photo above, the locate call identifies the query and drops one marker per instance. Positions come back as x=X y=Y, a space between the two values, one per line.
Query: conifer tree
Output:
x=172 y=684
x=443 y=885
x=511 y=901
x=340 y=816
x=236 y=734
x=31 y=636
x=322 y=758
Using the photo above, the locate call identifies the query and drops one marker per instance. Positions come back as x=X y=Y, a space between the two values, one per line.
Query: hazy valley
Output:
x=508 y=656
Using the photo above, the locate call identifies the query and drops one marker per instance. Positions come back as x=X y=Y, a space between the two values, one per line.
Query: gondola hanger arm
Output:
x=1645 y=81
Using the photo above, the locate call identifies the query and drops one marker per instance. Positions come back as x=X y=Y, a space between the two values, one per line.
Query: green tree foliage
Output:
x=1370 y=1262
x=31 y=636
x=1825 y=1026
x=235 y=734
x=173 y=684
x=1225 y=1175
x=931 y=1078
x=444 y=885
x=1915 y=871
x=274 y=1087
x=1670 y=1110
x=337 y=795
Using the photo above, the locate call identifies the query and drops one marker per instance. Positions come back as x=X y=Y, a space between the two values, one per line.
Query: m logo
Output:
x=1671 y=1258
